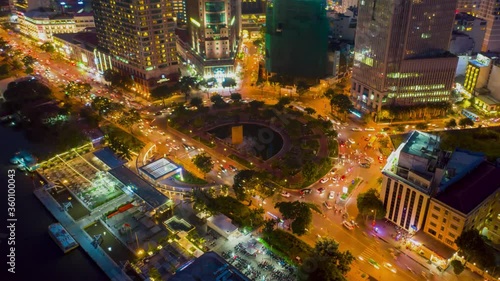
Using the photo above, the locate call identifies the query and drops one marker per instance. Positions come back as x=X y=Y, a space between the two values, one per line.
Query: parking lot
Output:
x=250 y=257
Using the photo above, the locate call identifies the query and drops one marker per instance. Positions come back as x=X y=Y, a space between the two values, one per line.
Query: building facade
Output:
x=179 y=7
x=41 y=25
x=472 y=26
x=477 y=73
x=490 y=11
x=401 y=53
x=296 y=38
x=213 y=34
x=140 y=35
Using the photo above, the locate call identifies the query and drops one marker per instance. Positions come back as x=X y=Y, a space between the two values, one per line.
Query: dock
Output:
x=62 y=238
x=112 y=270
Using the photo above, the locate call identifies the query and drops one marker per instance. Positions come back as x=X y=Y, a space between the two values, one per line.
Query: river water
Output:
x=37 y=257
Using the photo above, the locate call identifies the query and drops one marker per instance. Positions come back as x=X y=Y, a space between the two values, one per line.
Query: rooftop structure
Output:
x=108 y=157
x=161 y=168
x=467 y=193
x=222 y=225
x=459 y=165
x=208 y=267
x=175 y=224
x=133 y=183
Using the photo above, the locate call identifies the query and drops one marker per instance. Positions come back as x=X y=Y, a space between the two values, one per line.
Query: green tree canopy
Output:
x=327 y=263
x=203 y=162
x=28 y=61
x=196 y=101
x=236 y=97
x=458 y=267
x=464 y=122
x=422 y=126
x=256 y=104
x=299 y=212
x=341 y=103
x=474 y=249
x=452 y=123
x=76 y=89
x=369 y=201
x=188 y=83
x=310 y=110
x=248 y=182
x=162 y=92
x=228 y=83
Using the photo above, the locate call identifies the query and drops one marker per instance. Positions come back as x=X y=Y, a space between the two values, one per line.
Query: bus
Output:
x=470 y=115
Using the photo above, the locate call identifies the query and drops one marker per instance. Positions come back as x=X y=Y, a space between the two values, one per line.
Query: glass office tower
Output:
x=401 y=55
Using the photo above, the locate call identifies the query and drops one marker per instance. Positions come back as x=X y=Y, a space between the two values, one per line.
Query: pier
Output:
x=76 y=229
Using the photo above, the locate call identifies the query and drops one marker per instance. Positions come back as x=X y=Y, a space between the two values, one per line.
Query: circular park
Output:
x=290 y=145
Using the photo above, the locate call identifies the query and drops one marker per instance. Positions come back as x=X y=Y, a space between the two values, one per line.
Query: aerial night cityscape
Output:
x=264 y=140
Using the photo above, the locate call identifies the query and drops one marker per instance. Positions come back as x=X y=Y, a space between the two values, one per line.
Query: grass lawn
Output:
x=189 y=178
x=286 y=245
x=240 y=160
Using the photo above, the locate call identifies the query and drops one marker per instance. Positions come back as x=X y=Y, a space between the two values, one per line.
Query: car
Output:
x=328 y=205
x=356 y=129
x=305 y=191
x=390 y=267
x=342 y=178
x=369 y=159
x=371 y=129
x=158 y=113
x=223 y=169
x=351 y=141
x=321 y=190
x=323 y=180
x=331 y=195
x=365 y=165
x=285 y=194
x=342 y=143
x=233 y=168
x=348 y=225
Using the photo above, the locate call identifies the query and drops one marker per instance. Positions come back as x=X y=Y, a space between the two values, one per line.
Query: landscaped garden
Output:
x=309 y=144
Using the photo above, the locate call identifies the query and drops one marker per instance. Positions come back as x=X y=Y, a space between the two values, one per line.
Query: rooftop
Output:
x=472 y=189
x=434 y=245
x=487 y=99
x=421 y=144
x=222 y=222
x=108 y=157
x=208 y=267
x=159 y=168
x=139 y=186
x=460 y=163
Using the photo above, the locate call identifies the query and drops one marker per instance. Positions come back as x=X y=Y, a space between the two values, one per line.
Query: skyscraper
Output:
x=140 y=35
x=401 y=53
x=297 y=38
x=489 y=10
x=213 y=30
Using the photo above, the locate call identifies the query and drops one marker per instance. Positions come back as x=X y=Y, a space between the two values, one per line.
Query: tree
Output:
x=129 y=118
x=309 y=170
x=28 y=61
x=162 y=92
x=282 y=102
x=236 y=97
x=76 y=89
x=368 y=202
x=186 y=84
x=203 y=162
x=248 y=182
x=302 y=87
x=329 y=94
x=4 y=69
x=218 y=101
x=299 y=212
x=473 y=248
x=228 y=83
x=451 y=124
x=256 y=104
x=458 y=267
x=327 y=262
x=154 y=274
x=309 y=110
x=269 y=226
x=464 y=122
x=422 y=126
x=118 y=145
x=28 y=70
x=196 y=101
x=342 y=103
x=47 y=47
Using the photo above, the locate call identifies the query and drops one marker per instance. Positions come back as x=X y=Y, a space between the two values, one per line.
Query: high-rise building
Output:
x=401 y=53
x=179 y=7
x=296 y=38
x=213 y=30
x=140 y=35
x=490 y=11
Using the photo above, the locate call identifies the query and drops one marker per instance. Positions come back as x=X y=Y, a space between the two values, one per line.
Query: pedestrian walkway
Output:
x=111 y=269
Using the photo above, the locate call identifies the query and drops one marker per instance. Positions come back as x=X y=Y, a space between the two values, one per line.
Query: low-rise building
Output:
x=43 y=24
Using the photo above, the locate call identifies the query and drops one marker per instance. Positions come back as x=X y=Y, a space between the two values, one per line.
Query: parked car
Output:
x=348 y=225
x=233 y=168
x=351 y=141
x=371 y=129
x=323 y=180
x=285 y=194
x=328 y=205
x=321 y=190
x=369 y=159
x=331 y=195
x=365 y=165
x=356 y=129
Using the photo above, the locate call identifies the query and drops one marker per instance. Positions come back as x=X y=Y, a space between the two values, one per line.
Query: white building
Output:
x=41 y=25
